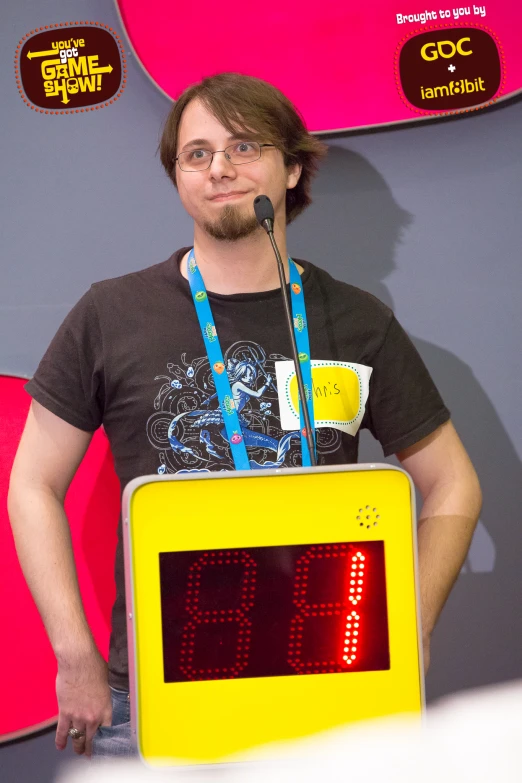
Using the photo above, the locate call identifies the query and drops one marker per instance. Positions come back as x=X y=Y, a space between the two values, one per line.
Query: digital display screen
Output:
x=274 y=611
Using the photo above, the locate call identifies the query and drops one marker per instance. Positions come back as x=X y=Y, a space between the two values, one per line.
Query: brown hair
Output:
x=244 y=103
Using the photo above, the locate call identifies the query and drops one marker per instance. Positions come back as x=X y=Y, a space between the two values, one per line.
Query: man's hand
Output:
x=84 y=701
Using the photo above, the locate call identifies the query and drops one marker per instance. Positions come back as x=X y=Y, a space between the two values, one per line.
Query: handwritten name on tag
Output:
x=340 y=391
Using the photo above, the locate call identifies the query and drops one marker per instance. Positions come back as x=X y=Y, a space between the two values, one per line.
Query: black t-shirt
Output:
x=130 y=356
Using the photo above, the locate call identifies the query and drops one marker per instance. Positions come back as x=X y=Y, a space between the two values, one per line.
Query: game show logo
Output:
x=67 y=68
x=449 y=70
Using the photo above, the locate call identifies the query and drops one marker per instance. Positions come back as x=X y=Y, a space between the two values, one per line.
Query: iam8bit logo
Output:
x=450 y=70
x=67 y=68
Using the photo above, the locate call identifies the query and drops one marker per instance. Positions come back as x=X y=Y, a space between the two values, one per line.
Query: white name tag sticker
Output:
x=340 y=391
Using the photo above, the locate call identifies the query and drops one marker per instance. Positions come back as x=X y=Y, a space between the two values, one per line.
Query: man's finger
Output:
x=64 y=723
x=79 y=742
x=90 y=731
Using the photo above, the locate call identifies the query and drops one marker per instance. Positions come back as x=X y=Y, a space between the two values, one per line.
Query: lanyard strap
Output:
x=303 y=348
x=217 y=365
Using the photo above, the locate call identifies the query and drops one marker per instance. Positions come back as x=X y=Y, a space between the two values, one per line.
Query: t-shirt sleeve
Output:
x=69 y=380
x=404 y=404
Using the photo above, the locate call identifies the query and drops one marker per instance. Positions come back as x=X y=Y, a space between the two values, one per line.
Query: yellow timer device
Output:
x=268 y=605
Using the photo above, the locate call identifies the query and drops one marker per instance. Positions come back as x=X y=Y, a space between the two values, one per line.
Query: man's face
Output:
x=220 y=199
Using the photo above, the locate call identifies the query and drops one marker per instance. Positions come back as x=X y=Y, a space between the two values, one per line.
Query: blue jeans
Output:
x=115 y=740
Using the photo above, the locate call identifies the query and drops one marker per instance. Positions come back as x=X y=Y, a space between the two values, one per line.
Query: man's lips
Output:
x=228 y=195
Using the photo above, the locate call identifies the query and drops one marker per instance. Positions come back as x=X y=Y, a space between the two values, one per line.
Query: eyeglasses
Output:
x=238 y=153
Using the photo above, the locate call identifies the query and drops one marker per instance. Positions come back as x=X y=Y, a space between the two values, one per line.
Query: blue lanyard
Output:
x=217 y=365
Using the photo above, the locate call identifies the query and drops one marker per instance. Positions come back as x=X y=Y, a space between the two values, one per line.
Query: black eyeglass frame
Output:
x=212 y=153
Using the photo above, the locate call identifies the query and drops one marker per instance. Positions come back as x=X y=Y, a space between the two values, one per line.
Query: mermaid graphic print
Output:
x=187 y=427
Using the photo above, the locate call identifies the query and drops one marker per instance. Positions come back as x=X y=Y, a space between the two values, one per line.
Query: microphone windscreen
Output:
x=263 y=209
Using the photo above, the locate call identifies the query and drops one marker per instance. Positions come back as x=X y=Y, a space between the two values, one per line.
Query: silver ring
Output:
x=75 y=733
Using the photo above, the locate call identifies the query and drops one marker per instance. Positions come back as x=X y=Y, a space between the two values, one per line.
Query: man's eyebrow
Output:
x=206 y=144
x=196 y=143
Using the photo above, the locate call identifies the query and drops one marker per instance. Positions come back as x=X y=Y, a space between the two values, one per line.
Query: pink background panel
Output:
x=334 y=60
x=27 y=663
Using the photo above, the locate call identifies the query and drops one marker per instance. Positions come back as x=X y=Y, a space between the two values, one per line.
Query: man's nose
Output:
x=221 y=165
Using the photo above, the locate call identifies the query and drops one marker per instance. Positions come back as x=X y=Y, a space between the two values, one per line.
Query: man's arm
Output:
x=47 y=459
x=446 y=479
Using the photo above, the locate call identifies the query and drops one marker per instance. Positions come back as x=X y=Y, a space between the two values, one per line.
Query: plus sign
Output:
x=451 y=68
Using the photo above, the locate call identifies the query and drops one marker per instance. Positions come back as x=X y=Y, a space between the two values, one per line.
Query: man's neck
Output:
x=239 y=267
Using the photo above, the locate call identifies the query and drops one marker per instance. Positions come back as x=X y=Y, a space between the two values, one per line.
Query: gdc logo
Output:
x=450 y=69
x=447 y=49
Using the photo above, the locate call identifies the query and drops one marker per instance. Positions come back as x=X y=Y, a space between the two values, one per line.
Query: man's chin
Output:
x=232 y=224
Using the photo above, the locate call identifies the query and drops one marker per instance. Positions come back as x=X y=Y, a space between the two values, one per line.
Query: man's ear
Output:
x=293 y=175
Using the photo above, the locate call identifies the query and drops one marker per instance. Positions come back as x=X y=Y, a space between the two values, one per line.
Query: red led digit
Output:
x=235 y=621
x=349 y=621
x=307 y=608
x=355 y=593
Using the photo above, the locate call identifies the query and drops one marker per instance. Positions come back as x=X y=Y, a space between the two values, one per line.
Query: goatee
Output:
x=231 y=225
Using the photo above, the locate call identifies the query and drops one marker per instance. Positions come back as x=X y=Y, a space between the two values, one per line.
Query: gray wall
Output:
x=426 y=217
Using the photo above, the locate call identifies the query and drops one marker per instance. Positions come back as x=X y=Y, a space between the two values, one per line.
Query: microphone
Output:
x=264 y=210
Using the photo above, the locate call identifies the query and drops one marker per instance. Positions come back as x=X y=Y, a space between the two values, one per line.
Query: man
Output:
x=131 y=356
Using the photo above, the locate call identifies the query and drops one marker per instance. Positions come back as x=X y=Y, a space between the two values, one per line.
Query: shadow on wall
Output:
x=478 y=638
